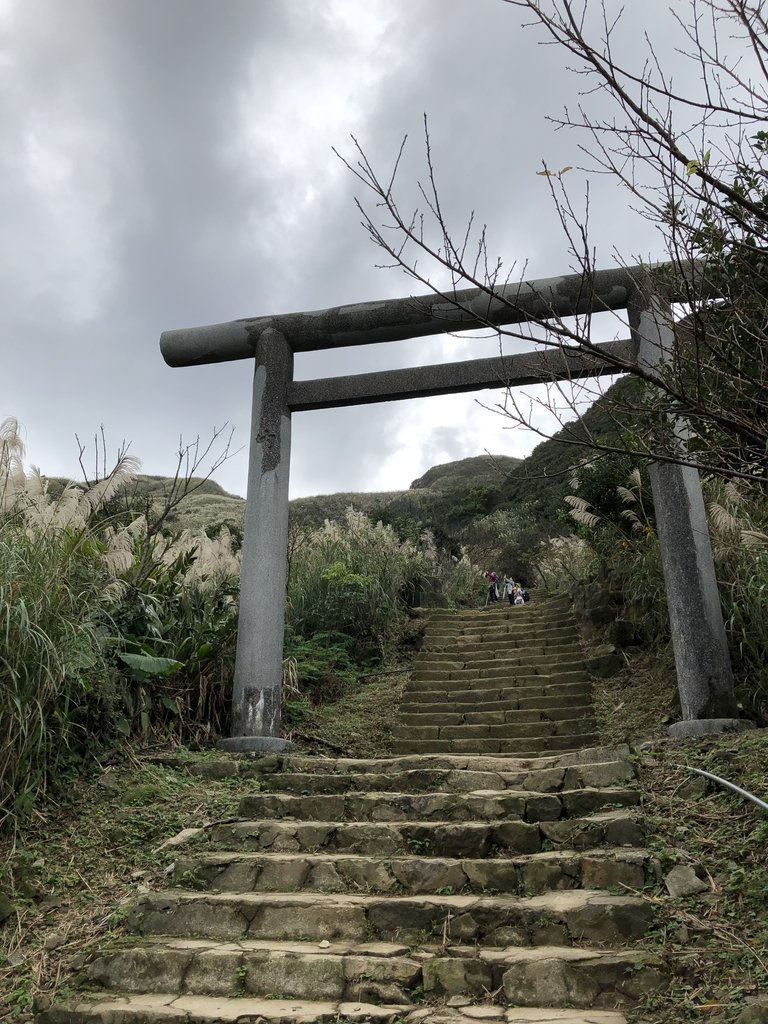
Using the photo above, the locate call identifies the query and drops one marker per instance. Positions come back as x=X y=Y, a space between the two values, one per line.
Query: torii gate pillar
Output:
x=704 y=677
x=259 y=660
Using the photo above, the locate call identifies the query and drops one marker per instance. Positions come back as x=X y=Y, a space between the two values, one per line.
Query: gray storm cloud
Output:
x=170 y=164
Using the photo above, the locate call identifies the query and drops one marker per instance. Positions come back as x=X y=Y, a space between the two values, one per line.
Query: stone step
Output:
x=498 y=651
x=385 y=972
x=532 y=611
x=453 y=651
x=578 y=694
x=528 y=665
x=509 y=644
x=543 y=727
x=526 y=875
x=170 y=1008
x=528 y=746
x=449 y=779
x=547 y=976
x=430 y=838
x=167 y=1008
x=472 y=678
x=271 y=764
x=482 y=716
x=381 y=972
x=543 y=635
x=486 y=805
x=562 y=918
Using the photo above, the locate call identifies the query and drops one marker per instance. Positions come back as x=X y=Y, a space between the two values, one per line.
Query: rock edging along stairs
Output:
x=442 y=887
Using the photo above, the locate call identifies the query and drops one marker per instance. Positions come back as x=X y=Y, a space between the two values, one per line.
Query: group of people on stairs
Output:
x=513 y=591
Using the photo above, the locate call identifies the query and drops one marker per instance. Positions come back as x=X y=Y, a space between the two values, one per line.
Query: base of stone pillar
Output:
x=708 y=727
x=254 y=744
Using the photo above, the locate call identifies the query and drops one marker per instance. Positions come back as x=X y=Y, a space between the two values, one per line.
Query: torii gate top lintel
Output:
x=366 y=323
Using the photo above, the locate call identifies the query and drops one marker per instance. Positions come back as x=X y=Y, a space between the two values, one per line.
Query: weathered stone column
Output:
x=259 y=659
x=702 y=660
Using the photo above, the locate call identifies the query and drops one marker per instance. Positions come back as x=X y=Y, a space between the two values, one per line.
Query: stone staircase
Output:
x=507 y=680
x=462 y=880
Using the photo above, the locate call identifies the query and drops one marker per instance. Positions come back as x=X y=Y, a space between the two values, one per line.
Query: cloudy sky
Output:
x=168 y=163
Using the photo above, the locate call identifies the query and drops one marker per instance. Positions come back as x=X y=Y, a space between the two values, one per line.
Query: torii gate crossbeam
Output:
x=703 y=665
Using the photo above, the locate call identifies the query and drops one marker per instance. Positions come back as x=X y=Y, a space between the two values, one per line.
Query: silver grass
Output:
x=753 y=538
x=722 y=520
x=575 y=502
x=627 y=496
x=733 y=493
x=100 y=493
x=633 y=518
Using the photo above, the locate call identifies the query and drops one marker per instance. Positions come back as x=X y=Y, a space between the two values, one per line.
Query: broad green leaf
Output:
x=151 y=666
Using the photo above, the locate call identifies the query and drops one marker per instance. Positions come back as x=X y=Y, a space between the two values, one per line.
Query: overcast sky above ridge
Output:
x=169 y=164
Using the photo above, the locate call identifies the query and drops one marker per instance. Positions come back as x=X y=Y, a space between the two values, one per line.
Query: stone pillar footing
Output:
x=254 y=744
x=708 y=727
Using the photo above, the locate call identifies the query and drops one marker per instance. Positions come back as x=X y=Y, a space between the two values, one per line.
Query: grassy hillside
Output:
x=447 y=498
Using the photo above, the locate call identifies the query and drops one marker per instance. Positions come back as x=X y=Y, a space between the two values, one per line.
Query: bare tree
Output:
x=696 y=164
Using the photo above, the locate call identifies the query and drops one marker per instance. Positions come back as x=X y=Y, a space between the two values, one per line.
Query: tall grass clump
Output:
x=110 y=632
x=55 y=589
x=355 y=576
x=738 y=522
x=350 y=585
x=616 y=543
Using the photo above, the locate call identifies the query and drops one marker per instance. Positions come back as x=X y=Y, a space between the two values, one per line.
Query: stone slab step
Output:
x=372 y=972
x=497 y=668
x=564 y=918
x=486 y=805
x=454 y=780
x=574 y=724
x=270 y=766
x=525 y=875
x=474 y=678
x=528 y=746
x=547 y=976
x=468 y=658
x=505 y=629
x=514 y=1015
x=167 y=1008
x=487 y=654
x=457 y=649
x=429 y=838
x=512 y=716
x=478 y=701
x=478 y=762
x=171 y=1009
x=544 y=975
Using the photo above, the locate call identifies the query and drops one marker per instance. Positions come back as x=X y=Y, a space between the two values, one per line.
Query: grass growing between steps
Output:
x=74 y=870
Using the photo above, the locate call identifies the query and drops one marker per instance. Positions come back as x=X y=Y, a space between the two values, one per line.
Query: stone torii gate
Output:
x=701 y=653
